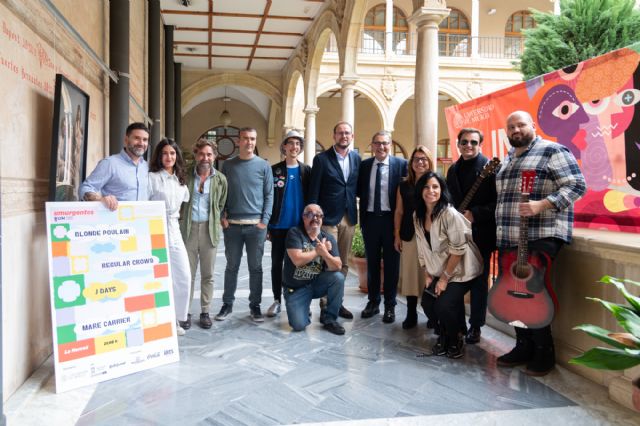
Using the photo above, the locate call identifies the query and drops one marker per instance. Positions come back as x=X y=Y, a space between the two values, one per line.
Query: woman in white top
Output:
x=450 y=258
x=167 y=183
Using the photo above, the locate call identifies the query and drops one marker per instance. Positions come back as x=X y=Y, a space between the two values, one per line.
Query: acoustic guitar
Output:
x=488 y=170
x=522 y=295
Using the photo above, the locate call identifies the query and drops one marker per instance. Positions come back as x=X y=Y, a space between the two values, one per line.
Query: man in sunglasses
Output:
x=200 y=223
x=311 y=271
x=480 y=212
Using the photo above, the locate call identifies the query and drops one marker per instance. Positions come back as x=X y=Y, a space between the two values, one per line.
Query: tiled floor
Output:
x=241 y=373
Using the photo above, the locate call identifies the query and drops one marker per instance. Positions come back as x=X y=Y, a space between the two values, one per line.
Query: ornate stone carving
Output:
x=304 y=52
x=474 y=89
x=388 y=86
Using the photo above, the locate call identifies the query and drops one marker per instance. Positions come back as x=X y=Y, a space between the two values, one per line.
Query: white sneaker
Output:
x=274 y=309
x=180 y=331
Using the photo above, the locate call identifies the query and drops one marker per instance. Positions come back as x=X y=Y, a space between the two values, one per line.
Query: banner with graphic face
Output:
x=111 y=291
x=592 y=108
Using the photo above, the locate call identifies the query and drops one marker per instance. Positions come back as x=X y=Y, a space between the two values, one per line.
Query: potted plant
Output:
x=359 y=259
x=625 y=347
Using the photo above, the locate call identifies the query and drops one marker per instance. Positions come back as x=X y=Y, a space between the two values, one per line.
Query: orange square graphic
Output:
x=157 y=241
x=161 y=270
x=158 y=332
x=76 y=350
x=139 y=303
x=60 y=249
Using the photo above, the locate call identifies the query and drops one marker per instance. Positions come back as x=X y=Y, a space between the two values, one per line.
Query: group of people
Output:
x=434 y=236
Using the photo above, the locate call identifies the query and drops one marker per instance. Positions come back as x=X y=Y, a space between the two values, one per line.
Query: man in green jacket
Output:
x=200 y=223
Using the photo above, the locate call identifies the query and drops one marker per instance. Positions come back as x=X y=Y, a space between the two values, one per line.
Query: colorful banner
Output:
x=111 y=291
x=593 y=109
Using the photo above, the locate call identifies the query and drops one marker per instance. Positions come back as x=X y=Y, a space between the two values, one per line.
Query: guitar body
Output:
x=527 y=302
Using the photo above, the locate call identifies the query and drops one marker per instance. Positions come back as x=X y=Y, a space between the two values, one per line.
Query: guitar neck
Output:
x=467 y=199
x=523 y=241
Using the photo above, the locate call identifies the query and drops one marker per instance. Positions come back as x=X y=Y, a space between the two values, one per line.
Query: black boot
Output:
x=544 y=356
x=412 y=313
x=522 y=353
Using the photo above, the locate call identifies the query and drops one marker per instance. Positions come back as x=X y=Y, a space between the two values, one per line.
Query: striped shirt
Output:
x=558 y=179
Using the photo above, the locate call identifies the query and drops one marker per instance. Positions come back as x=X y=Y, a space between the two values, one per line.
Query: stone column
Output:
x=169 y=87
x=119 y=63
x=475 y=27
x=348 y=109
x=154 y=73
x=177 y=86
x=310 y=133
x=388 y=29
x=427 y=19
x=556 y=7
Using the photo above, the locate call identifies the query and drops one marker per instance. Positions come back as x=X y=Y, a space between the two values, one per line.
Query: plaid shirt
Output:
x=558 y=179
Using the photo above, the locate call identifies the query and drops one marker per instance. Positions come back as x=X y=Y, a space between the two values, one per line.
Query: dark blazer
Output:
x=329 y=190
x=280 y=179
x=397 y=170
x=482 y=205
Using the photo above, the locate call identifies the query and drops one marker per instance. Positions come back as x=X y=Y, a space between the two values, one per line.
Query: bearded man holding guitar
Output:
x=553 y=183
x=472 y=185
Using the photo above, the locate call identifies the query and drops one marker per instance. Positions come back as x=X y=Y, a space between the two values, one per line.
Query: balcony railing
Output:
x=449 y=45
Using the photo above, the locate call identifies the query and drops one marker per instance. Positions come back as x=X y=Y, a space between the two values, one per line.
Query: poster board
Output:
x=111 y=290
x=593 y=109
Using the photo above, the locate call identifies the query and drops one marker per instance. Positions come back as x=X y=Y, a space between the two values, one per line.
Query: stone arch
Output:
x=351 y=37
x=378 y=100
x=295 y=73
x=316 y=42
x=243 y=79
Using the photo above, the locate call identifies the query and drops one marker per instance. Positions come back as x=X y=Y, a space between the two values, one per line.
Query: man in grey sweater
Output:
x=245 y=219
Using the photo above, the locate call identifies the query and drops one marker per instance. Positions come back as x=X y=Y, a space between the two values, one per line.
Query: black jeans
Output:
x=479 y=291
x=448 y=309
x=278 y=237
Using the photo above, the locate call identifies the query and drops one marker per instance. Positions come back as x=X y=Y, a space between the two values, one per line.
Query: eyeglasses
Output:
x=343 y=133
x=378 y=143
x=201 y=188
x=465 y=142
x=312 y=215
x=420 y=160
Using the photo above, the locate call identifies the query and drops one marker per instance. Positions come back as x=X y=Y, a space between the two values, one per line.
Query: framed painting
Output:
x=68 y=140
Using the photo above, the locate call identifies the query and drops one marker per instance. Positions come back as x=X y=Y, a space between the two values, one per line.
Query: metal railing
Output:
x=449 y=45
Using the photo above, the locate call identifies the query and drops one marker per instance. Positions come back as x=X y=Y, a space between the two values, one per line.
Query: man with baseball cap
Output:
x=290 y=185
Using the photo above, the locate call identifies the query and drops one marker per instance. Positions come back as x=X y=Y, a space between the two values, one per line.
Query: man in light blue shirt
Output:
x=122 y=176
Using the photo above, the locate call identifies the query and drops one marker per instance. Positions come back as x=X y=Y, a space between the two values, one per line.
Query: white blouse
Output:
x=167 y=188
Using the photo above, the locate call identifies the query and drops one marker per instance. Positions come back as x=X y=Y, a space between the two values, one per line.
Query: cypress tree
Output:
x=584 y=29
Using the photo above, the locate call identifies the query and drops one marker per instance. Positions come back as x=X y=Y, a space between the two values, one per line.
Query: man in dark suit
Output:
x=480 y=212
x=377 y=186
x=334 y=179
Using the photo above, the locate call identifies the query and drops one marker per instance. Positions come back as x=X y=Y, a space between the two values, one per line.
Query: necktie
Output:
x=376 y=197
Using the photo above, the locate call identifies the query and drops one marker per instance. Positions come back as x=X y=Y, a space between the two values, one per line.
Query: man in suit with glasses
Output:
x=200 y=223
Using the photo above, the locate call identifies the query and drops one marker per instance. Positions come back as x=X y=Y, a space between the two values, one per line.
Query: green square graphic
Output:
x=55 y=226
x=66 y=292
x=162 y=299
x=66 y=334
x=161 y=254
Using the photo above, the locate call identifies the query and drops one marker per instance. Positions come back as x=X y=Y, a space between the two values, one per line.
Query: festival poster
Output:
x=592 y=108
x=111 y=290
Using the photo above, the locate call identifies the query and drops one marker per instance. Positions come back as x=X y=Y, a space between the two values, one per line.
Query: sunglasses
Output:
x=312 y=215
x=465 y=142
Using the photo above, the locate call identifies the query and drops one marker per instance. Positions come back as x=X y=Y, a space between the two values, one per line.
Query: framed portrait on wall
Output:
x=68 y=140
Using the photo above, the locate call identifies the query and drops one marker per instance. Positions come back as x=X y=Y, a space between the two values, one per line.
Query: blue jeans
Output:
x=235 y=237
x=298 y=300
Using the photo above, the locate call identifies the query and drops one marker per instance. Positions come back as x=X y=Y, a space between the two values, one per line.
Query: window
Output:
x=373 y=36
x=513 y=37
x=454 y=35
x=225 y=138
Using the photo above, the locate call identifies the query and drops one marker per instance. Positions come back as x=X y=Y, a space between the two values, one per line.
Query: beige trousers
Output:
x=199 y=247
x=343 y=233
